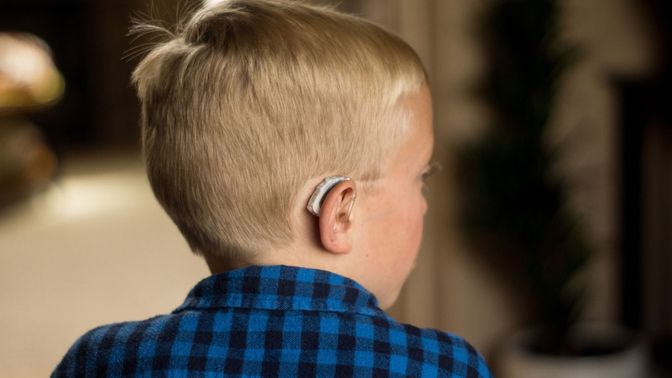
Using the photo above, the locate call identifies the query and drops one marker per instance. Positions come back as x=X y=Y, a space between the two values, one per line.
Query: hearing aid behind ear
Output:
x=316 y=199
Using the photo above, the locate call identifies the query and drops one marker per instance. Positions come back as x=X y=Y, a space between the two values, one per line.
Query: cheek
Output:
x=399 y=228
x=416 y=215
x=412 y=231
x=415 y=234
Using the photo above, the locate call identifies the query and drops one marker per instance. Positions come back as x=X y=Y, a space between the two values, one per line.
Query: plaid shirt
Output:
x=272 y=321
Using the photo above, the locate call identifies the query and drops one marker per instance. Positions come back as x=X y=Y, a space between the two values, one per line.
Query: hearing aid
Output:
x=321 y=191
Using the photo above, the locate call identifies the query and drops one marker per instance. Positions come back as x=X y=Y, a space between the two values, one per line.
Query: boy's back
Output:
x=272 y=321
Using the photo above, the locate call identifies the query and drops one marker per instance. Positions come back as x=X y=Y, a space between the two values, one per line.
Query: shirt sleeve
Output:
x=68 y=367
x=80 y=360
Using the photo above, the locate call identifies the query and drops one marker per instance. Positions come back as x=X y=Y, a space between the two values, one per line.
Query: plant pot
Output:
x=622 y=355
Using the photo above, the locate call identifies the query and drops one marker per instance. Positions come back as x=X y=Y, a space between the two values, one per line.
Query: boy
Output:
x=289 y=144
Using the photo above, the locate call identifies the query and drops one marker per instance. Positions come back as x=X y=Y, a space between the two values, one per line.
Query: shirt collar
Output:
x=281 y=288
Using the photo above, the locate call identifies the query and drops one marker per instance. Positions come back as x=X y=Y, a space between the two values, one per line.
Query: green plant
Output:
x=514 y=200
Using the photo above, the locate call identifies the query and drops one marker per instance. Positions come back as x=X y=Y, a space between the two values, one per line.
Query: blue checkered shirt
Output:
x=267 y=322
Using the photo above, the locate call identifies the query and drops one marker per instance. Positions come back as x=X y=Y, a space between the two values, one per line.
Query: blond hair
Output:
x=246 y=100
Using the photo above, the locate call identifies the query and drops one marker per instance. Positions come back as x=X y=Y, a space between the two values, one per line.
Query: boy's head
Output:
x=247 y=101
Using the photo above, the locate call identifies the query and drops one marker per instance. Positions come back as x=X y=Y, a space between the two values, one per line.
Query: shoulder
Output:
x=426 y=352
x=108 y=348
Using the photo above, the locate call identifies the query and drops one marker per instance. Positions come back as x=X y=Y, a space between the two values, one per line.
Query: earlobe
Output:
x=335 y=219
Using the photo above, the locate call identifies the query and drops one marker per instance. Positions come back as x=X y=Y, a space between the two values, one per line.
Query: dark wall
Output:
x=88 y=39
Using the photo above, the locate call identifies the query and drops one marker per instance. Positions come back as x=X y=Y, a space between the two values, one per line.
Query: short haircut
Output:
x=246 y=100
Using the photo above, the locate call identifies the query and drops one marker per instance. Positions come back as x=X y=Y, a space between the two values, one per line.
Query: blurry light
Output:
x=89 y=196
x=28 y=76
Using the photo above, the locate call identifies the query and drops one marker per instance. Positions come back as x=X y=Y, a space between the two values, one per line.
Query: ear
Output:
x=335 y=217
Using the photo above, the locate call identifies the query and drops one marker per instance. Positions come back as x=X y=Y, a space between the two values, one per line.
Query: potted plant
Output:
x=515 y=200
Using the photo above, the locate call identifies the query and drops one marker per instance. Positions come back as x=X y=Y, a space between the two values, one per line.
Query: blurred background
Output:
x=83 y=242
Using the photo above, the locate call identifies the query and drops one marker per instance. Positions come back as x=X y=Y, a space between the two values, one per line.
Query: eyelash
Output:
x=434 y=168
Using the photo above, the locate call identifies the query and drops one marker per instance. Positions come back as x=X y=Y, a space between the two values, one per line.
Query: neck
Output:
x=217 y=265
